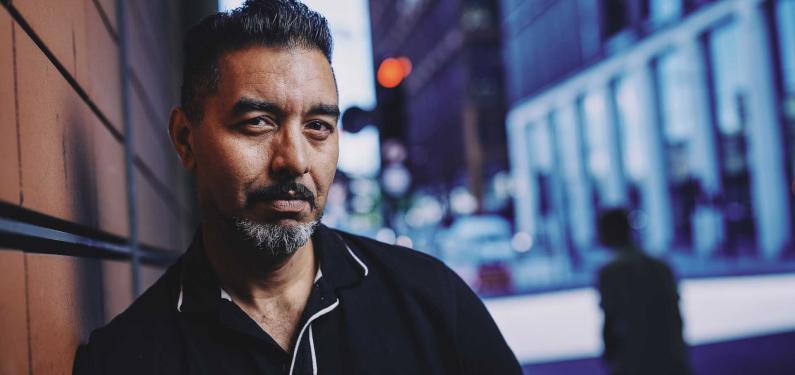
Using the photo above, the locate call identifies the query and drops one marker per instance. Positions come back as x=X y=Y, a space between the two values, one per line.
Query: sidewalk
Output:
x=566 y=325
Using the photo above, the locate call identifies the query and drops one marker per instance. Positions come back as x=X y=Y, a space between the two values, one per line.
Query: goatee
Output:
x=278 y=241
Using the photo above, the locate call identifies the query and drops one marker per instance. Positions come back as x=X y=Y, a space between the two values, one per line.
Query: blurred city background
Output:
x=490 y=134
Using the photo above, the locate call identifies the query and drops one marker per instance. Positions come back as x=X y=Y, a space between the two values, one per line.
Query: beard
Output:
x=277 y=241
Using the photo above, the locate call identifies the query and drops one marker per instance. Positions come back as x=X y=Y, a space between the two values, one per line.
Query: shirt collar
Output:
x=200 y=290
x=341 y=266
x=225 y=295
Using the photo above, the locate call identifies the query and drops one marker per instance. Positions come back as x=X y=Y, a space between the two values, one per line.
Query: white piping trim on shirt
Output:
x=303 y=329
x=308 y=323
x=312 y=350
x=225 y=295
x=318 y=275
x=179 y=300
x=366 y=270
x=317 y=315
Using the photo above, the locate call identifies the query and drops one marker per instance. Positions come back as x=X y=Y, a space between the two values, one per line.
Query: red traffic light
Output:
x=392 y=71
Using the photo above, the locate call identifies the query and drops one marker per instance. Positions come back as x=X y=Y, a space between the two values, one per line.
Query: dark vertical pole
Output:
x=129 y=167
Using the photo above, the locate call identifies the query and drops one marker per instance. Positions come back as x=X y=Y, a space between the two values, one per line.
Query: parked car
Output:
x=479 y=249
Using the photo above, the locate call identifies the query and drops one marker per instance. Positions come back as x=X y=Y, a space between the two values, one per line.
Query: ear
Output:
x=180 y=131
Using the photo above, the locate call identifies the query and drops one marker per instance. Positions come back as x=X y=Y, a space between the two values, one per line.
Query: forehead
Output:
x=287 y=76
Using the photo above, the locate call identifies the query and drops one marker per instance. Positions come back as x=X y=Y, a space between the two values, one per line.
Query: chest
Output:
x=279 y=321
x=379 y=336
x=356 y=337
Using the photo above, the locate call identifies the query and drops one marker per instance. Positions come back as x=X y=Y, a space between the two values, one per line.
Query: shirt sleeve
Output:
x=482 y=348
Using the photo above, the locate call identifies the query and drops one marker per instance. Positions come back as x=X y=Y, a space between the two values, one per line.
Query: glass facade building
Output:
x=688 y=121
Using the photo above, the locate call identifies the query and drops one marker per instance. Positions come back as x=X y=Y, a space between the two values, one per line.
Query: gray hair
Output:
x=278 y=240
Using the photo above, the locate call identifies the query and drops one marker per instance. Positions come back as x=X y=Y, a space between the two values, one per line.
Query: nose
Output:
x=289 y=153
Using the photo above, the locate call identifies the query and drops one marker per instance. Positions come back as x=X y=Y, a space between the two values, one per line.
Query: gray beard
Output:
x=278 y=240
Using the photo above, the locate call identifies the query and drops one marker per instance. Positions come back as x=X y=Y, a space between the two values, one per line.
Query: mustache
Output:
x=281 y=191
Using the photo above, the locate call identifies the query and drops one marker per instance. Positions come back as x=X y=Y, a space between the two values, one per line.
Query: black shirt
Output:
x=375 y=309
x=214 y=324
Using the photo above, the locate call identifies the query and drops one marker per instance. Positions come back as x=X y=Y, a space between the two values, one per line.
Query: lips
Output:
x=288 y=205
x=283 y=197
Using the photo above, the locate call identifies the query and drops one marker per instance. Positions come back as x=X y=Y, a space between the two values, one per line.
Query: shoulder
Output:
x=416 y=276
x=410 y=274
x=156 y=304
x=398 y=261
x=136 y=333
x=389 y=253
x=425 y=284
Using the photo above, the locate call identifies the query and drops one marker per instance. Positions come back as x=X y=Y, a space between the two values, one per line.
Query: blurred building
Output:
x=448 y=110
x=681 y=110
x=93 y=202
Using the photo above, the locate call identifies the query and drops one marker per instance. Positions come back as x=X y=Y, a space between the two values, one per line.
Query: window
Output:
x=575 y=190
x=615 y=17
x=598 y=143
x=785 y=29
x=542 y=169
x=730 y=98
x=676 y=83
x=785 y=22
x=632 y=137
x=664 y=11
x=619 y=15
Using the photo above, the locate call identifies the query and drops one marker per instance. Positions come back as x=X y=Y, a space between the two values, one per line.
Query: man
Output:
x=642 y=327
x=265 y=288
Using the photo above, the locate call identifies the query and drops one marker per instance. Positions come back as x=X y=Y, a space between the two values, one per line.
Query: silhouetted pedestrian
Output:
x=642 y=327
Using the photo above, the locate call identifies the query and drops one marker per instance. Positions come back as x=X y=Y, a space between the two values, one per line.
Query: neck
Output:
x=253 y=276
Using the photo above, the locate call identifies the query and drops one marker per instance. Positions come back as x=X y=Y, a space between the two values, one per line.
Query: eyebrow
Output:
x=324 y=110
x=245 y=105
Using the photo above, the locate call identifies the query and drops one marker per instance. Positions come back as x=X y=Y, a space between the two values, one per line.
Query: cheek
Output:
x=226 y=168
x=326 y=169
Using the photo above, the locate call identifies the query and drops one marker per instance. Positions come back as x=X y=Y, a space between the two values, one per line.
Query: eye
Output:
x=255 y=121
x=319 y=129
x=256 y=124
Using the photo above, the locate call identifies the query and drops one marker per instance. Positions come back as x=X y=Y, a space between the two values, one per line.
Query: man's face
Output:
x=267 y=147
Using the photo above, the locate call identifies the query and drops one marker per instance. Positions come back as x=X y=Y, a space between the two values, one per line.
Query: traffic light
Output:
x=390 y=76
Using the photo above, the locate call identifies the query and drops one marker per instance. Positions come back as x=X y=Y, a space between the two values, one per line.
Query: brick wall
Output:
x=76 y=136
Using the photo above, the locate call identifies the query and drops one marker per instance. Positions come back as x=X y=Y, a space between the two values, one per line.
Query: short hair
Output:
x=270 y=23
x=614 y=228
